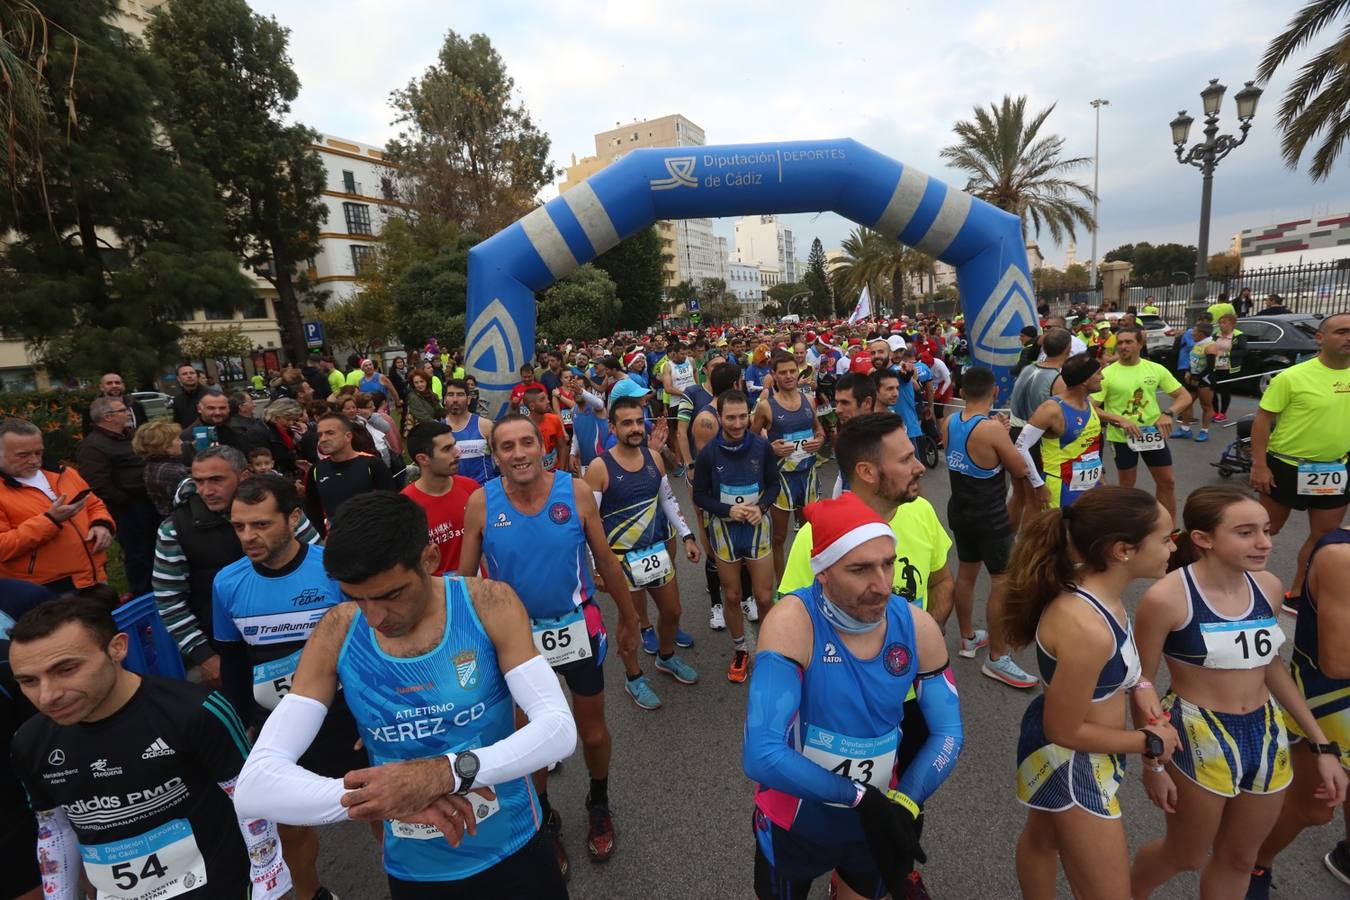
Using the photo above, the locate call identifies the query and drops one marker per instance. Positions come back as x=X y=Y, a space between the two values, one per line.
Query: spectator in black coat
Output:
x=188 y=394
x=116 y=473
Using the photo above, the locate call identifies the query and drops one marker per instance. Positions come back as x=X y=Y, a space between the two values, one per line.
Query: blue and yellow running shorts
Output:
x=1053 y=778
x=1228 y=753
x=796 y=489
x=734 y=541
x=1329 y=701
x=627 y=567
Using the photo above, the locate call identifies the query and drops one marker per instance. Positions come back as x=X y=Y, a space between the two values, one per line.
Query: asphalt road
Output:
x=682 y=805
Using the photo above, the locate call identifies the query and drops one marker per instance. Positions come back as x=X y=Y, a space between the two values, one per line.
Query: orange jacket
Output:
x=34 y=548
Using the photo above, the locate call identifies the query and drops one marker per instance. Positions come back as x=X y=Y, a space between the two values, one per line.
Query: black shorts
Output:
x=531 y=873
x=1194 y=382
x=792 y=863
x=988 y=547
x=1285 y=489
x=1128 y=459
x=19 y=872
x=586 y=677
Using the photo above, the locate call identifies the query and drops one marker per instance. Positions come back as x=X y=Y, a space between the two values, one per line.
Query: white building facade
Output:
x=768 y=243
x=358 y=193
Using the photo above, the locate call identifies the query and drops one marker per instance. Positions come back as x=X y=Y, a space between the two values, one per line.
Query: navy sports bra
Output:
x=1120 y=671
x=1215 y=641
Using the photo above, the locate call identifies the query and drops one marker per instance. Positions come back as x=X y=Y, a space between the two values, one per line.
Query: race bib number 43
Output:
x=159 y=864
x=865 y=760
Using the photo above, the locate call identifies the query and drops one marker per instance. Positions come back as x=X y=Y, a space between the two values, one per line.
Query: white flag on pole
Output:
x=864 y=308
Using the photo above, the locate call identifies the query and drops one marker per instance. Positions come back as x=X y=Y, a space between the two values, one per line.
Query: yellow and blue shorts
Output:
x=1329 y=701
x=1230 y=753
x=628 y=571
x=796 y=489
x=735 y=541
x=1053 y=778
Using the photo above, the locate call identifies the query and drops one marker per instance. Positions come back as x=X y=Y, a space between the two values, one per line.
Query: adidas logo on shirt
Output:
x=158 y=748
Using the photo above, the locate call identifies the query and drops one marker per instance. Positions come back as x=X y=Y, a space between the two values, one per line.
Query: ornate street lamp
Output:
x=1205 y=156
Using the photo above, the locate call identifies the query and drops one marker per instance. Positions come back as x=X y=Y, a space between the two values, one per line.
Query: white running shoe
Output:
x=970 y=646
x=717 y=621
x=751 y=610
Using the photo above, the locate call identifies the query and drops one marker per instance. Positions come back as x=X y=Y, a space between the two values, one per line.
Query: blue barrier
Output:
x=984 y=243
x=151 y=650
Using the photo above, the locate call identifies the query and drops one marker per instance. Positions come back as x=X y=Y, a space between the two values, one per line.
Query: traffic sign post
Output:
x=314 y=334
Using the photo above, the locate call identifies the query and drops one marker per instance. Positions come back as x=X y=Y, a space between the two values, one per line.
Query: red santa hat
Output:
x=840 y=525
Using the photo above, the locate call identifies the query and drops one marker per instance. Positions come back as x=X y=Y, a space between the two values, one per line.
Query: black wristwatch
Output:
x=690 y=537
x=465 y=768
x=1331 y=748
x=1153 y=745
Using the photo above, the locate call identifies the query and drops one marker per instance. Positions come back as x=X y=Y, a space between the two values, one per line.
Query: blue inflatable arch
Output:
x=984 y=243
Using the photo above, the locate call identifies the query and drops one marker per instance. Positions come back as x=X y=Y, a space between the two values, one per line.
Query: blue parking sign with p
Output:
x=314 y=334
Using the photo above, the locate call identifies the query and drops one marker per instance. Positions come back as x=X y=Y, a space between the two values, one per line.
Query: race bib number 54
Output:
x=159 y=864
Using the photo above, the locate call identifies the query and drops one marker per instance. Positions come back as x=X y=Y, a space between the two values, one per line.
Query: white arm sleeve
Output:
x=58 y=855
x=671 y=507
x=1025 y=441
x=593 y=401
x=550 y=734
x=273 y=786
x=268 y=871
x=598 y=495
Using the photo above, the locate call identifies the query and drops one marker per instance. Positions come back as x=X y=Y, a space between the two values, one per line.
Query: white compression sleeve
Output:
x=58 y=855
x=550 y=735
x=273 y=786
x=593 y=401
x=1025 y=441
x=671 y=507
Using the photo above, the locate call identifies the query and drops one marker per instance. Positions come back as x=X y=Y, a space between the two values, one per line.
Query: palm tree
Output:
x=24 y=99
x=1013 y=167
x=876 y=261
x=1317 y=100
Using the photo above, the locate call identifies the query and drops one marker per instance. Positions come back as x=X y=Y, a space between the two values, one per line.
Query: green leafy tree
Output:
x=1009 y=164
x=427 y=288
x=469 y=153
x=583 y=306
x=817 y=281
x=25 y=100
x=232 y=91
x=1318 y=99
x=771 y=310
x=723 y=309
x=881 y=264
x=117 y=240
x=1161 y=263
x=635 y=268
x=362 y=324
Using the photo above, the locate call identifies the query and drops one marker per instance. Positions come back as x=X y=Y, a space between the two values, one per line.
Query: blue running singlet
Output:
x=849 y=719
x=543 y=556
x=452 y=698
x=475 y=458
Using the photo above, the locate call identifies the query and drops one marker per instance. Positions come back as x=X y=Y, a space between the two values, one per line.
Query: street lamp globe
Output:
x=1246 y=101
x=1181 y=128
x=1213 y=97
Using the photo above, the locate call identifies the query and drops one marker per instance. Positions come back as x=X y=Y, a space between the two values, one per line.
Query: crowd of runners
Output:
x=381 y=590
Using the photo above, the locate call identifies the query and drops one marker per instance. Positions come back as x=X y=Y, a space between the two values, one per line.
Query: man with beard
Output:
x=112 y=385
x=471 y=432
x=440 y=490
x=834 y=791
x=638 y=508
x=882 y=469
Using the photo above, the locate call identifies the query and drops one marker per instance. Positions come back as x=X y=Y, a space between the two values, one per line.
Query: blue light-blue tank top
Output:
x=475 y=457
x=543 y=556
x=452 y=698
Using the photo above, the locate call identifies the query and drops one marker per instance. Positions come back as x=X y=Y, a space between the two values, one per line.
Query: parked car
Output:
x=1275 y=343
x=157 y=405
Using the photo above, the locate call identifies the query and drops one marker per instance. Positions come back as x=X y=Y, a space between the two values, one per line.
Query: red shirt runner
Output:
x=445 y=518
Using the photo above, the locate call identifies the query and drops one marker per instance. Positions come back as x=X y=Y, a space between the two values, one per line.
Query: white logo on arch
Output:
x=494 y=334
x=681 y=169
x=1008 y=303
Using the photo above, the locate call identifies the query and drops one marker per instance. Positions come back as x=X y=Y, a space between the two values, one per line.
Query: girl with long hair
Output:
x=1213 y=620
x=1068 y=571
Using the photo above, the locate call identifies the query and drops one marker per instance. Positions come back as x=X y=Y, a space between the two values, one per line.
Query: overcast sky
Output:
x=893 y=76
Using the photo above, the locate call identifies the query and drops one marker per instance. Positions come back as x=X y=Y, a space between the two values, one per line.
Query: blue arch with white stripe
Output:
x=984 y=243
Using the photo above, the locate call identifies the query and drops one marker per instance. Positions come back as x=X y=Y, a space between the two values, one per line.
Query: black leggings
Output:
x=1223 y=393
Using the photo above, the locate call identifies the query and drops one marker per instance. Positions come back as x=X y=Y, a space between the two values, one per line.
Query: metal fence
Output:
x=1310 y=288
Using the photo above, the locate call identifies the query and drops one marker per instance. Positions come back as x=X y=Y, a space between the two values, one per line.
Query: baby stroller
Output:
x=1237 y=456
